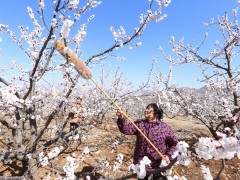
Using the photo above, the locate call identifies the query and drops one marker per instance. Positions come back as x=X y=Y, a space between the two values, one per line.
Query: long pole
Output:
x=86 y=73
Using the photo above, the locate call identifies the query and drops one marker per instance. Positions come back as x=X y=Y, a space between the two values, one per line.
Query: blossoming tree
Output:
x=218 y=105
x=31 y=104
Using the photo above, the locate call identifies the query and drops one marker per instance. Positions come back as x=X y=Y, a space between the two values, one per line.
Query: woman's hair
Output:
x=158 y=112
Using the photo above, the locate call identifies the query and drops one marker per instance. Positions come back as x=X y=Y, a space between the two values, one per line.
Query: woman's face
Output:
x=78 y=101
x=149 y=114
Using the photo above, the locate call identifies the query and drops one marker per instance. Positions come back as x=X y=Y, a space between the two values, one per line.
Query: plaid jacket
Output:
x=158 y=132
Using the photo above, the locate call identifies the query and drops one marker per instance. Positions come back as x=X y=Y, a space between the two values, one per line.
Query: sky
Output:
x=185 y=19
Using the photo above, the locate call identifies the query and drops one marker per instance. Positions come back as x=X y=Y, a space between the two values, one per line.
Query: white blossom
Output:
x=206 y=173
x=67 y=24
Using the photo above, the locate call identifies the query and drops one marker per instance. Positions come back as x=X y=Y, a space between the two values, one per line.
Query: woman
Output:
x=75 y=115
x=158 y=132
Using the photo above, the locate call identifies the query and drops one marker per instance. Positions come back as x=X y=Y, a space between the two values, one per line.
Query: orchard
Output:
x=37 y=88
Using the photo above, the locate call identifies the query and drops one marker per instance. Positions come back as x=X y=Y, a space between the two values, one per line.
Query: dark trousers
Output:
x=157 y=176
x=73 y=126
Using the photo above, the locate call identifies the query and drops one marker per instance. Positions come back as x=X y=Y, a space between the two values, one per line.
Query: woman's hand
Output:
x=120 y=114
x=166 y=158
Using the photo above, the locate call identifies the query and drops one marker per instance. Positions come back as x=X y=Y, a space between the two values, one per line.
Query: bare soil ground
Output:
x=100 y=140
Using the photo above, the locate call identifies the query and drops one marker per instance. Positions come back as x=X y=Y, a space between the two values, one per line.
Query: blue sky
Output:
x=185 y=18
